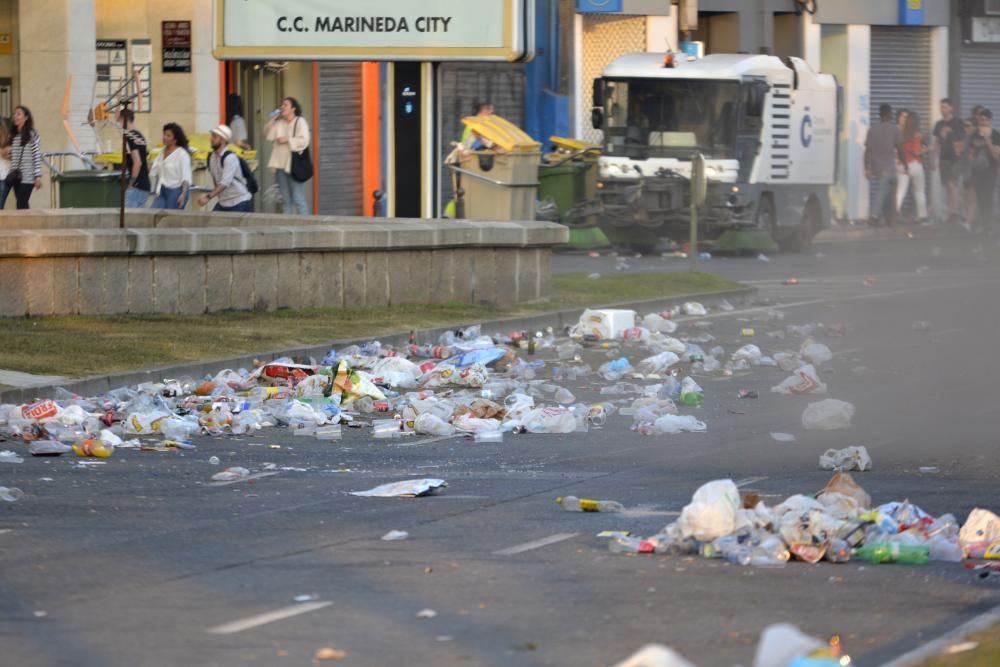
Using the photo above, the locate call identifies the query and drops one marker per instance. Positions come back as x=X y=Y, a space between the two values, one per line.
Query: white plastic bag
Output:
x=851 y=458
x=659 y=324
x=815 y=353
x=712 y=512
x=695 y=309
x=748 y=353
x=674 y=424
x=828 y=415
x=782 y=643
x=655 y=655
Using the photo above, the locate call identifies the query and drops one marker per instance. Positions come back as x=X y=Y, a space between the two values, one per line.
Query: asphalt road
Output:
x=144 y=561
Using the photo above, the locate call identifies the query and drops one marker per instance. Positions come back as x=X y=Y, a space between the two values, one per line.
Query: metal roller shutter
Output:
x=461 y=86
x=901 y=71
x=980 y=79
x=340 y=139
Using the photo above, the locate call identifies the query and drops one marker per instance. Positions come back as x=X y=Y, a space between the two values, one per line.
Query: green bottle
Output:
x=890 y=552
x=692 y=399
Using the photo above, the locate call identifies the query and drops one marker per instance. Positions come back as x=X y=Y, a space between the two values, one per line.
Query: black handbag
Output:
x=302 y=164
x=14 y=176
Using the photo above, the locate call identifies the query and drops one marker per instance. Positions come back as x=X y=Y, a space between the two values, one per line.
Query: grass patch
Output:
x=987 y=654
x=79 y=346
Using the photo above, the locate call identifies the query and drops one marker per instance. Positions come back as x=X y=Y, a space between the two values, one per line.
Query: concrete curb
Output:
x=558 y=320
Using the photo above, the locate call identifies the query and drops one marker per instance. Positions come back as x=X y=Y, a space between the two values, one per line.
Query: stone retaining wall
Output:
x=79 y=262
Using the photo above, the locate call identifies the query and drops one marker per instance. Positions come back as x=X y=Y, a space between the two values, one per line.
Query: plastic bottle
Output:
x=574 y=504
x=93 y=448
x=48 y=448
x=630 y=545
x=564 y=396
x=691 y=394
x=891 y=552
x=11 y=494
x=741 y=556
x=838 y=551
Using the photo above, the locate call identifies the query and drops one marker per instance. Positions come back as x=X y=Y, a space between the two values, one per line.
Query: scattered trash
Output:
x=10 y=494
x=828 y=415
x=921 y=326
x=574 y=504
x=427 y=614
x=929 y=470
x=329 y=654
x=8 y=456
x=655 y=655
x=783 y=437
x=305 y=598
x=748 y=394
x=851 y=458
x=395 y=536
x=791 y=281
x=214 y=461
x=694 y=309
x=231 y=474
x=805 y=380
x=415 y=488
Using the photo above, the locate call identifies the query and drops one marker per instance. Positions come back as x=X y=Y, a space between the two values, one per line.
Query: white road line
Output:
x=937 y=646
x=748 y=481
x=537 y=544
x=259 y=475
x=264 y=619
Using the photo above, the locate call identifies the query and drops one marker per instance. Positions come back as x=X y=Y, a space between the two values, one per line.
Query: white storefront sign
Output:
x=428 y=30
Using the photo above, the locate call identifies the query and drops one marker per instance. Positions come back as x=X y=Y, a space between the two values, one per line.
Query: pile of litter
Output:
x=838 y=523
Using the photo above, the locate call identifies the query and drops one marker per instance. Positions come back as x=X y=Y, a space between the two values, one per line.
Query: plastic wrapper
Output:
x=981 y=526
x=694 y=309
x=842 y=483
x=748 y=353
x=674 y=424
x=354 y=385
x=658 y=364
x=815 y=353
x=414 y=488
x=805 y=380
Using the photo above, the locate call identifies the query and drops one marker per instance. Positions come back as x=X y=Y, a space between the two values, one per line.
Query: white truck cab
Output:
x=767 y=127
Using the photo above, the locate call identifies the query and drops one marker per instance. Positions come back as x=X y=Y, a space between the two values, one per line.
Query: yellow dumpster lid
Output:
x=573 y=144
x=503 y=133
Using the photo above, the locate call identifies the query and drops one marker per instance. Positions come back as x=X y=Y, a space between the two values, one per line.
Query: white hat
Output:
x=224 y=132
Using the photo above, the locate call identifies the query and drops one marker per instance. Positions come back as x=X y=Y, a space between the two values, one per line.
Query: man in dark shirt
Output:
x=883 y=147
x=984 y=160
x=947 y=133
x=135 y=162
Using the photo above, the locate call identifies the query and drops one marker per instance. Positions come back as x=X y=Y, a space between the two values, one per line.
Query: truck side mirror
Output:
x=597 y=118
x=598 y=93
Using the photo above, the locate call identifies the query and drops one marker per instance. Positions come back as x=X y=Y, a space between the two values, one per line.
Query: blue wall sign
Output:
x=911 y=12
x=599 y=6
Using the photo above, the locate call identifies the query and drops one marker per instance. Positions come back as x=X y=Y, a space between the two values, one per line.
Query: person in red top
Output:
x=911 y=174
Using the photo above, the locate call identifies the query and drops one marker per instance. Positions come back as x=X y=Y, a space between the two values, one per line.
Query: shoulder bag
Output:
x=302 y=166
x=14 y=176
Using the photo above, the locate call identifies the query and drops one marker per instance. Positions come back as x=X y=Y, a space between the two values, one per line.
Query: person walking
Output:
x=172 y=169
x=949 y=136
x=883 y=147
x=912 y=176
x=288 y=133
x=984 y=160
x=136 y=162
x=230 y=187
x=6 y=136
x=25 y=175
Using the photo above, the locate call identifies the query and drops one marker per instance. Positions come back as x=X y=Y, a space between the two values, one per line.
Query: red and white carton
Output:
x=40 y=410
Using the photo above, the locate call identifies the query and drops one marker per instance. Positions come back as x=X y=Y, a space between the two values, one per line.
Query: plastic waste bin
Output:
x=88 y=189
x=500 y=184
x=568 y=176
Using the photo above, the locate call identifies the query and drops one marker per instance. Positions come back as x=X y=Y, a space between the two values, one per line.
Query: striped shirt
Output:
x=27 y=158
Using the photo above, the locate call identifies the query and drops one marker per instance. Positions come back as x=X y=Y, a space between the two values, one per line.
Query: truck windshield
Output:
x=670 y=117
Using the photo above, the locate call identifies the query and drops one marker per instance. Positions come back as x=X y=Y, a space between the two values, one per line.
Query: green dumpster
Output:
x=568 y=177
x=87 y=188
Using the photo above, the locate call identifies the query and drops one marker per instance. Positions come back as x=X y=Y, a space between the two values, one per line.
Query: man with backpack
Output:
x=234 y=183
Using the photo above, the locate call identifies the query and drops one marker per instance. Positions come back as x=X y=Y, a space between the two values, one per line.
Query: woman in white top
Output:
x=238 y=124
x=171 y=170
x=288 y=131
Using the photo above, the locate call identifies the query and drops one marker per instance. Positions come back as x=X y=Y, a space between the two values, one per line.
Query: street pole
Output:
x=125 y=176
x=698 y=192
